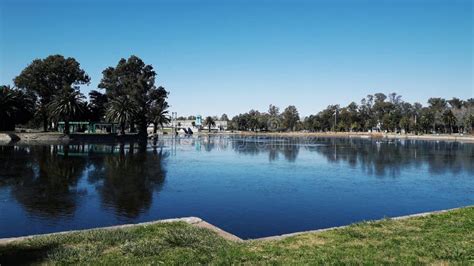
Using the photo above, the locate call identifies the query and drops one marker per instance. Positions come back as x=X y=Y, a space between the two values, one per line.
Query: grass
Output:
x=446 y=238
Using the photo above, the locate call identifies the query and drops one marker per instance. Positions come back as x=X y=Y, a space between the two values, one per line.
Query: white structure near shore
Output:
x=195 y=125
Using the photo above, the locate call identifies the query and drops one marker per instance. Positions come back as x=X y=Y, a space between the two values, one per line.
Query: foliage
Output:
x=209 y=122
x=45 y=78
x=377 y=112
x=97 y=105
x=290 y=117
x=121 y=109
x=135 y=80
x=16 y=107
x=66 y=105
x=159 y=114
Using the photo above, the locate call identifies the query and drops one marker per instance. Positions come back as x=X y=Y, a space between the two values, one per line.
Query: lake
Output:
x=249 y=186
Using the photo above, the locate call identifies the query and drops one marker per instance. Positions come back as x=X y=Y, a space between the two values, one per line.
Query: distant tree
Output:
x=209 y=122
x=427 y=119
x=16 y=107
x=121 y=110
x=456 y=103
x=405 y=123
x=97 y=106
x=66 y=105
x=224 y=117
x=469 y=123
x=449 y=120
x=273 y=110
x=47 y=77
x=290 y=117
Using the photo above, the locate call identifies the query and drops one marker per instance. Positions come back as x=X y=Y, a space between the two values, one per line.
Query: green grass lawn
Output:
x=435 y=239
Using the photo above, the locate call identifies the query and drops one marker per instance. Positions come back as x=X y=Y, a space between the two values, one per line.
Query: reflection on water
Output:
x=45 y=188
x=377 y=157
x=44 y=179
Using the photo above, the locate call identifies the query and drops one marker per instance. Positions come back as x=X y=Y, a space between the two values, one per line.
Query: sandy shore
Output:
x=365 y=135
x=55 y=137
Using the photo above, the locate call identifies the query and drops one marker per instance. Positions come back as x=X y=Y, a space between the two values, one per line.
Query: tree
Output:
x=209 y=122
x=15 y=107
x=134 y=78
x=66 y=105
x=273 y=110
x=159 y=115
x=47 y=77
x=427 y=119
x=224 y=117
x=469 y=122
x=97 y=106
x=449 y=120
x=405 y=123
x=121 y=110
x=290 y=117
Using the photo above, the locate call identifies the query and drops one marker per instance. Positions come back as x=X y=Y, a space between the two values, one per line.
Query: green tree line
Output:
x=378 y=112
x=48 y=91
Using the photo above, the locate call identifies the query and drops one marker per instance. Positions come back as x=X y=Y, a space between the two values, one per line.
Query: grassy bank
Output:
x=440 y=238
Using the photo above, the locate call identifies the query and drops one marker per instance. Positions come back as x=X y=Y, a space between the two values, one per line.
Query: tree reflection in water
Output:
x=126 y=180
x=44 y=179
x=375 y=157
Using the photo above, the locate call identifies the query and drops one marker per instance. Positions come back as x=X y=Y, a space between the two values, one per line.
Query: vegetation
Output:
x=377 y=112
x=159 y=114
x=66 y=106
x=209 y=122
x=48 y=90
x=121 y=110
x=46 y=78
x=132 y=82
x=97 y=105
x=15 y=107
x=136 y=80
x=435 y=239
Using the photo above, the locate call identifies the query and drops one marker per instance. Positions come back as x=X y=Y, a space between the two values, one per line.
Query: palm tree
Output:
x=209 y=122
x=15 y=107
x=67 y=105
x=159 y=115
x=8 y=107
x=121 y=110
x=449 y=120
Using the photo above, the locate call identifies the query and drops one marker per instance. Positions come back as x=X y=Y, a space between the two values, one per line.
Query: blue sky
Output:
x=230 y=56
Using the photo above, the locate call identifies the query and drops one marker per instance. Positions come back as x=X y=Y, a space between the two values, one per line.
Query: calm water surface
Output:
x=249 y=186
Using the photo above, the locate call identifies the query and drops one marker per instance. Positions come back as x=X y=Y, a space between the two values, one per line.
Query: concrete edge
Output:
x=189 y=220
x=198 y=222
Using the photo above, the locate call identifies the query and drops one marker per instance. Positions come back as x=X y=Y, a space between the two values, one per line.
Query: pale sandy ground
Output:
x=439 y=137
x=61 y=138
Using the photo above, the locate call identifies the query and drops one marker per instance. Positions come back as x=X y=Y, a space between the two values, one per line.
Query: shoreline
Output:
x=362 y=135
x=60 y=138
x=198 y=222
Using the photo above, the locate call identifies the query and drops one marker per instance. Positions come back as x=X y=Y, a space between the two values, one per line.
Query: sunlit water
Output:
x=251 y=187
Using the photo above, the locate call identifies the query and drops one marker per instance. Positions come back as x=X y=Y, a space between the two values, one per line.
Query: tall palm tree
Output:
x=449 y=120
x=159 y=114
x=66 y=105
x=121 y=110
x=209 y=122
